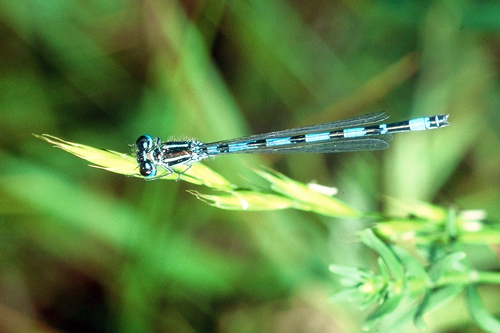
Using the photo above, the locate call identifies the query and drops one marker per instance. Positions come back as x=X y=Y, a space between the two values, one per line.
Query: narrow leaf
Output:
x=393 y=264
x=480 y=315
x=125 y=164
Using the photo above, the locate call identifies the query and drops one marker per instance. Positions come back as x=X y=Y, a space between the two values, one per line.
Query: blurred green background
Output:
x=84 y=250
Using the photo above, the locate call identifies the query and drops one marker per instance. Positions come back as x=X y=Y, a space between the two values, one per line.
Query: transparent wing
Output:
x=336 y=145
x=325 y=127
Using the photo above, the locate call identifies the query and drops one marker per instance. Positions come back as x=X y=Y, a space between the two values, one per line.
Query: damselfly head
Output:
x=144 y=145
x=144 y=142
x=147 y=169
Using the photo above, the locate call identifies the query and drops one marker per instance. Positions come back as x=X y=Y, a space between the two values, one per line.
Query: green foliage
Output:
x=426 y=287
x=438 y=233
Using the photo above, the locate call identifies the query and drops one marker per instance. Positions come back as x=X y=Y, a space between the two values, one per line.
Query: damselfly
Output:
x=333 y=137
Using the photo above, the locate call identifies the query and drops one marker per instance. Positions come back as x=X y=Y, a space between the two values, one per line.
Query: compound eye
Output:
x=144 y=142
x=147 y=169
